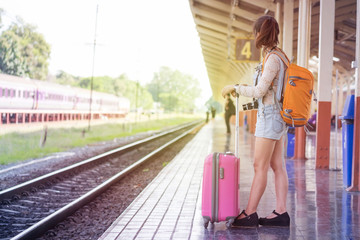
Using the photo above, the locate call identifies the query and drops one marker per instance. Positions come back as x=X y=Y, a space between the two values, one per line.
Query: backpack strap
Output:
x=278 y=52
x=282 y=56
x=279 y=92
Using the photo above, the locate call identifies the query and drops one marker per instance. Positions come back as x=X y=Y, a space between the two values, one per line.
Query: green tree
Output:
x=174 y=90
x=121 y=86
x=168 y=101
x=86 y=83
x=24 y=51
x=215 y=104
x=1 y=13
x=66 y=79
x=138 y=95
x=11 y=60
x=35 y=49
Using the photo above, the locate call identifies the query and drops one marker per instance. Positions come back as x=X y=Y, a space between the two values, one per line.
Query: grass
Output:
x=22 y=146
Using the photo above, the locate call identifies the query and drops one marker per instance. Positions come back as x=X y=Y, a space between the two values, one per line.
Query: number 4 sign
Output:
x=246 y=51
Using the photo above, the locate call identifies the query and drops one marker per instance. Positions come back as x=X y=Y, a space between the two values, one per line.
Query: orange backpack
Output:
x=298 y=89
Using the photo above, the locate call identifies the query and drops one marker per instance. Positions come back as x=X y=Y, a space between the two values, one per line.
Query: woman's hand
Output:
x=228 y=89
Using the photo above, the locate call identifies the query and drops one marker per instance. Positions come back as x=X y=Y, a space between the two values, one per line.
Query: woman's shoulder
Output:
x=278 y=55
x=273 y=60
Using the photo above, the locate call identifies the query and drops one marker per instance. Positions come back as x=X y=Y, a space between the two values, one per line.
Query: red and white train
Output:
x=25 y=100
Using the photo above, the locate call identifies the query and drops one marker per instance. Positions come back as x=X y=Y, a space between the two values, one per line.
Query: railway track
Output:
x=31 y=208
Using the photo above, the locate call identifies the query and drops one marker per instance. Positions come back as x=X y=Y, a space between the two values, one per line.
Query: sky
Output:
x=132 y=37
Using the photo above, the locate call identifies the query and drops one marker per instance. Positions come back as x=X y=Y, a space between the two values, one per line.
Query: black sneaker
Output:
x=282 y=220
x=251 y=220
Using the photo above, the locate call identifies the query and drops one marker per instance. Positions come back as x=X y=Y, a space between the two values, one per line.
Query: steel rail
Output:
x=50 y=221
x=20 y=188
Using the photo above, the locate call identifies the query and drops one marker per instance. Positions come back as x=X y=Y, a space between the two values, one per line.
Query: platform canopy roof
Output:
x=221 y=22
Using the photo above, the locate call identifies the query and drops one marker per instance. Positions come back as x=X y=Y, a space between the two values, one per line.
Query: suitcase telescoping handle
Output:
x=237 y=122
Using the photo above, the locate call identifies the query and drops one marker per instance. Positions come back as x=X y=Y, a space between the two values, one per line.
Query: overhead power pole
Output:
x=93 y=66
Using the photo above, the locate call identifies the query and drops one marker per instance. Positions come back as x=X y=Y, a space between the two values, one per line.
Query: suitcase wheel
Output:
x=206 y=223
x=230 y=222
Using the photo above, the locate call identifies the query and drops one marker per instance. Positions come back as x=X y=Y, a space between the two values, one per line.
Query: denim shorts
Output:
x=269 y=123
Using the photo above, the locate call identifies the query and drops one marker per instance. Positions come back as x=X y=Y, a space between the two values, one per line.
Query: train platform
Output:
x=170 y=206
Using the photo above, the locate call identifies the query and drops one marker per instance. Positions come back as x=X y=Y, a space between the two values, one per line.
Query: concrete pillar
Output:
x=326 y=52
x=279 y=19
x=341 y=94
x=333 y=97
x=288 y=28
x=356 y=147
x=303 y=50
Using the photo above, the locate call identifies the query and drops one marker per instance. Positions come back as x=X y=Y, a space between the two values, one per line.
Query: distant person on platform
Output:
x=207 y=115
x=229 y=111
x=213 y=112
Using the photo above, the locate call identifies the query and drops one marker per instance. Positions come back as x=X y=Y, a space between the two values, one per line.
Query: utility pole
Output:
x=136 y=101
x=93 y=65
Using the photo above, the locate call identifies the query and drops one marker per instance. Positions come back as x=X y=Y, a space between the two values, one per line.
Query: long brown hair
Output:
x=267 y=29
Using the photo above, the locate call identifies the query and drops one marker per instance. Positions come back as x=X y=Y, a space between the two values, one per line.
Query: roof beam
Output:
x=246 y=14
x=265 y=4
x=213 y=40
x=213 y=61
x=210 y=51
x=338 y=8
x=214 y=16
x=216 y=4
x=344 y=50
x=211 y=33
x=240 y=67
x=243 y=26
x=211 y=25
x=226 y=8
x=344 y=71
x=213 y=66
x=219 y=27
x=213 y=46
x=221 y=19
x=210 y=55
x=220 y=52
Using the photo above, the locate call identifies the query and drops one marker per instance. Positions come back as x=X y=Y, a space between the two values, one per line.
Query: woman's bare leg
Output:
x=277 y=164
x=263 y=151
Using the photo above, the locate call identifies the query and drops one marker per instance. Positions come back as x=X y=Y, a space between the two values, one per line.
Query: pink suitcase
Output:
x=220 y=186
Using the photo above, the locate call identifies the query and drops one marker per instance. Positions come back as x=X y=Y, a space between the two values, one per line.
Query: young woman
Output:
x=270 y=128
x=229 y=111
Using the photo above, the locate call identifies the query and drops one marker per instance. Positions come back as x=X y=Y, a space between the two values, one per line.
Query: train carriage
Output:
x=23 y=96
x=17 y=92
x=54 y=96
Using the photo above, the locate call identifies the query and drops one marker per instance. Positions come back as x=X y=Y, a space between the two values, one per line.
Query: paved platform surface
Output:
x=170 y=207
